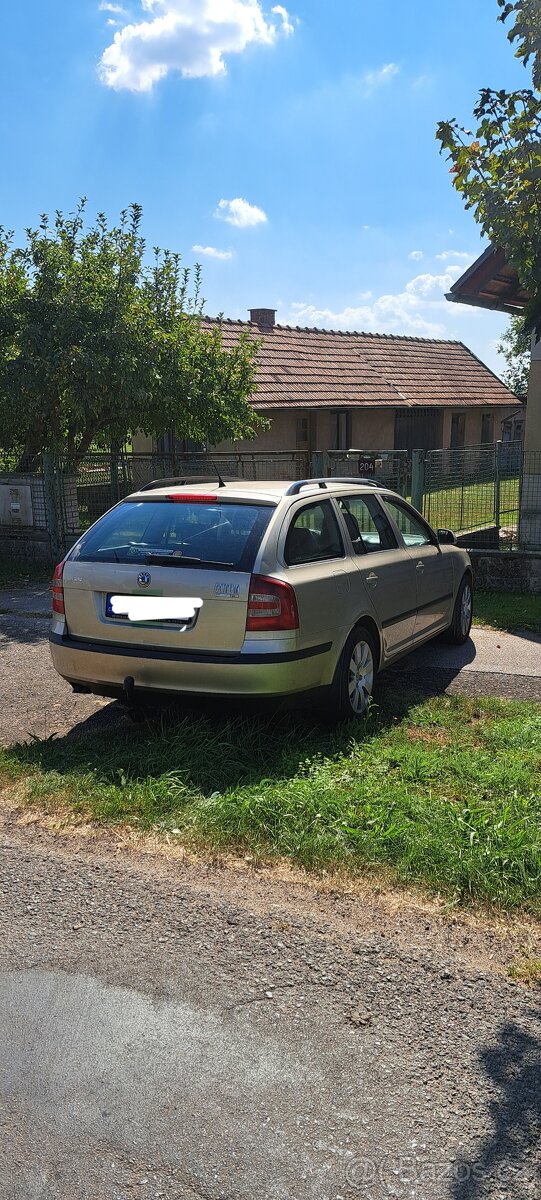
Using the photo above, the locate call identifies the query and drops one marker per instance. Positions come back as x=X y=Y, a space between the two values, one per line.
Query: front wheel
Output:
x=353 y=684
x=459 y=629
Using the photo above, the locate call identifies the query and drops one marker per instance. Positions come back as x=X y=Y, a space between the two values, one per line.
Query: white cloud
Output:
x=213 y=252
x=239 y=213
x=420 y=310
x=457 y=255
x=280 y=11
x=427 y=285
x=189 y=36
x=416 y=255
x=376 y=79
x=113 y=8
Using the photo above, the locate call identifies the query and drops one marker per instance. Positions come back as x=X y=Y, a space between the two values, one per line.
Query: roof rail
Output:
x=295 y=488
x=191 y=479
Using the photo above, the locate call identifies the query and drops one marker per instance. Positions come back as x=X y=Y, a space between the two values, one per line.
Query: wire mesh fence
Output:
x=490 y=496
x=102 y=479
x=476 y=492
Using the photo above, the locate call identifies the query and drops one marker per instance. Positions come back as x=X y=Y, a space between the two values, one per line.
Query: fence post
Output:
x=320 y=464
x=50 y=495
x=417 y=479
x=497 y=484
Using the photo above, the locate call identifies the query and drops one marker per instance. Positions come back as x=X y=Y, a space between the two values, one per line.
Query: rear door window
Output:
x=313 y=535
x=176 y=533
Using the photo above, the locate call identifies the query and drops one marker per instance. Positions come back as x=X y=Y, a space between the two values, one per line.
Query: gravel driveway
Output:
x=190 y=1032
x=36 y=702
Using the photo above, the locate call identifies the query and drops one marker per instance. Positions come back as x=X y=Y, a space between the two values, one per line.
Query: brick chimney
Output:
x=264 y=317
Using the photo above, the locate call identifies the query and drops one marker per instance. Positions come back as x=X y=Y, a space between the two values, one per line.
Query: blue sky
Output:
x=294 y=140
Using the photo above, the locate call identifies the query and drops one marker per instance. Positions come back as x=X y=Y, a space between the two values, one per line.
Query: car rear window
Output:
x=189 y=533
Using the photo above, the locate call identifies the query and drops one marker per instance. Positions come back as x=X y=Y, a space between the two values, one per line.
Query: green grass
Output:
x=527 y=971
x=472 y=506
x=443 y=793
x=505 y=610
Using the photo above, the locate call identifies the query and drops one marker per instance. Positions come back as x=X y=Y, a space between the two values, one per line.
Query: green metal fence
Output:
x=488 y=495
x=476 y=492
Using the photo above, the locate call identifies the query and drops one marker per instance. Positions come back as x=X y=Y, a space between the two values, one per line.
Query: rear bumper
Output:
x=104 y=667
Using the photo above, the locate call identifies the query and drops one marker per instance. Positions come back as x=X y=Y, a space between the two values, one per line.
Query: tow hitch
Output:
x=134 y=708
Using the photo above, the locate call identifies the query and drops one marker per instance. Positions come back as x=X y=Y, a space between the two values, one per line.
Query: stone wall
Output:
x=507 y=571
x=27 y=545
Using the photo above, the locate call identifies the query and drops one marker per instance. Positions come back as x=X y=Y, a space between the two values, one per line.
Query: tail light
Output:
x=272 y=605
x=57 y=589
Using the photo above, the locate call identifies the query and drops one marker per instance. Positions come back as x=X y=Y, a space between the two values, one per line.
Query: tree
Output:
x=94 y=344
x=497 y=168
x=515 y=345
x=527 y=31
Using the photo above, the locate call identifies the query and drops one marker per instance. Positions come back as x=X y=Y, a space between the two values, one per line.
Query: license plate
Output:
x=109 y=609
x=185 y=617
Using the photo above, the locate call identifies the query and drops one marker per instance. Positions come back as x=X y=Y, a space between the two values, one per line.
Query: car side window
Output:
x=313 y=535
x=413 y=529
x=367 y=524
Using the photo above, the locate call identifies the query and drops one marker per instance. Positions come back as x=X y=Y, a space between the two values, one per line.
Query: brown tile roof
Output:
x=315 y=368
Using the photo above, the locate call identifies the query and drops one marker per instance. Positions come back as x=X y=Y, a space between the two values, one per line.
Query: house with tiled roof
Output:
x=329 y=390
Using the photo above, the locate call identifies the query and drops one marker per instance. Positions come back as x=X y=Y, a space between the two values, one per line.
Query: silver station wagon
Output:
x=255 y=589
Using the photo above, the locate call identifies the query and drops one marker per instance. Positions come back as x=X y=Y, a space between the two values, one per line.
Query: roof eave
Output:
x=497 y=306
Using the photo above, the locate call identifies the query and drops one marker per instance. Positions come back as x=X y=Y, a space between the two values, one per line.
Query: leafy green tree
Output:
x=515 y=346
x=497 y=167
x=95 y=344
x=526 y=30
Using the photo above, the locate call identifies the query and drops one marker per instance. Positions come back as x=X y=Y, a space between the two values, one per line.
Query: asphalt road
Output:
x=192 y=1032
x=35 y=702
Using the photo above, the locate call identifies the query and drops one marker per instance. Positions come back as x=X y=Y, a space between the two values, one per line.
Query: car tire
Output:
x=459 y=629
x=353 y=684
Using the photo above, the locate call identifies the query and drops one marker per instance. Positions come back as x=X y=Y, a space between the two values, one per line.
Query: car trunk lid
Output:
x=196 y=555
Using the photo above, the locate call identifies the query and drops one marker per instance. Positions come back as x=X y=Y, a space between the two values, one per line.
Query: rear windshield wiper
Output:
x=168 y=560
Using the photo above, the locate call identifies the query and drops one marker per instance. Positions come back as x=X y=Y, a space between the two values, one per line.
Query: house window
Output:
x=342 y=430
x=458 y=429
x=302 y=433
x=487 y=428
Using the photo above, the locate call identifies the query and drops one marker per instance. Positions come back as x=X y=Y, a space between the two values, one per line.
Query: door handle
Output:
x=372 y=577
x=420 y=566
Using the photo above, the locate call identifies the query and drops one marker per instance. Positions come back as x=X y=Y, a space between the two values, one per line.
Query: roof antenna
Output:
x=220 y=480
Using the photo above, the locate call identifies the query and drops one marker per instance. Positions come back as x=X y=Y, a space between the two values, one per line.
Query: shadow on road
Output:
x=26 y=630
x=512 y=1066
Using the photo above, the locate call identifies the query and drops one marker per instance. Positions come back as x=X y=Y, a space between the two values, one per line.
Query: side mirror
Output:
x=446 y=537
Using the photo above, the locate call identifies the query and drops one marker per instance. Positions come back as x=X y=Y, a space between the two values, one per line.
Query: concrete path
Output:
x=505 y=665
x=488 y=651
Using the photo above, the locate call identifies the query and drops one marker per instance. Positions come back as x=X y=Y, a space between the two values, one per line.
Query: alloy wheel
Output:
x=466 y=610
x=360 y=677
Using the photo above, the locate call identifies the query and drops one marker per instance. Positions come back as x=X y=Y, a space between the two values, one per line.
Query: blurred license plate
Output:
x=109 y=608
x=184 y=616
